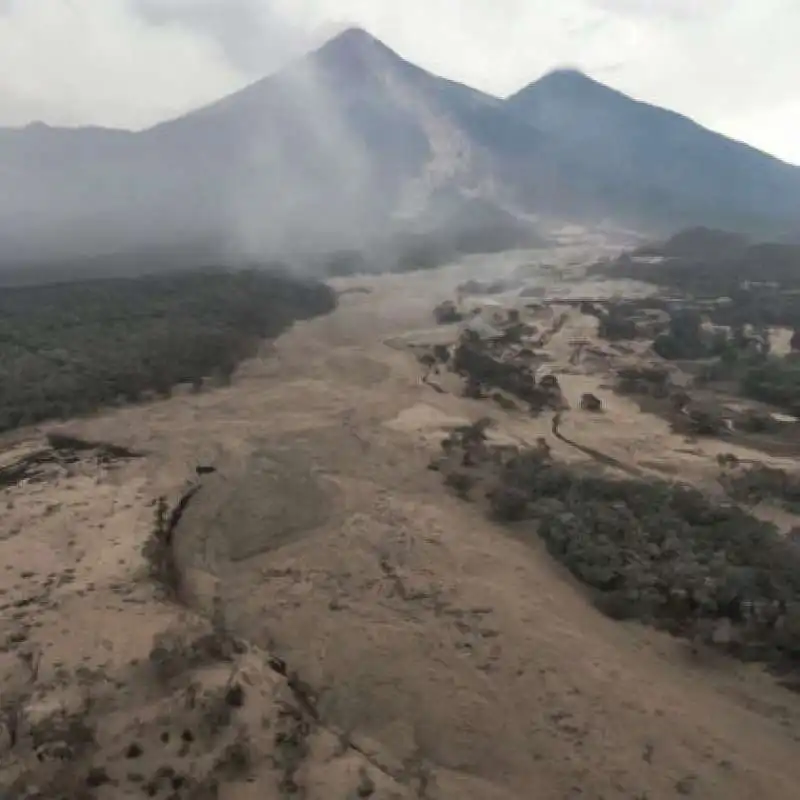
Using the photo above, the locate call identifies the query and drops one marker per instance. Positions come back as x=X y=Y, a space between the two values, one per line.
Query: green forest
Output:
x=68 y=349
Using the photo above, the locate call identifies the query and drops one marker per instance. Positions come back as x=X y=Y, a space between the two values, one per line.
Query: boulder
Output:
x=591 y=402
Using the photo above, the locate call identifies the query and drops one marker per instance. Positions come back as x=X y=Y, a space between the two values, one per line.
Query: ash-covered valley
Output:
x=467 y=533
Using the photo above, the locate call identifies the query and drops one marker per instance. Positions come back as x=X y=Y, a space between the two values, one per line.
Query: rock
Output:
x=590 y=402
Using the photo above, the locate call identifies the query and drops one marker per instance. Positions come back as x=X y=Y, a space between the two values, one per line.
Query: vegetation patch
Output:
x=756 y=483
x=69 y=349
x=776 y=381
x=731 y=293
x=655 y=551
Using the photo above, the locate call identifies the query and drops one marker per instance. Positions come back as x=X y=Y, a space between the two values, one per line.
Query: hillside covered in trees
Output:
x=68 y=349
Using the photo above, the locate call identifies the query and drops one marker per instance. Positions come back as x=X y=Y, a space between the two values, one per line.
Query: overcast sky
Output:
x=731 y=64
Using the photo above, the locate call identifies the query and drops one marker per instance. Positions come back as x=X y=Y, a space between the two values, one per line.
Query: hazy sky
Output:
x=731 y=64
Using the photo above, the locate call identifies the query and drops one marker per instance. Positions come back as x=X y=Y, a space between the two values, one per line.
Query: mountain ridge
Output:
x=571 y=77
x=359 y=38
x=683 y=164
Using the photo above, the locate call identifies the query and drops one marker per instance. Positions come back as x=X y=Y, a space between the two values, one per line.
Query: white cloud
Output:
x=731 y=64
x=773 y=129
x=90 y=62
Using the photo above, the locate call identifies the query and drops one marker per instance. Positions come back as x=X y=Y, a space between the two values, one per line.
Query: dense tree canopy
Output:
x=70 y=348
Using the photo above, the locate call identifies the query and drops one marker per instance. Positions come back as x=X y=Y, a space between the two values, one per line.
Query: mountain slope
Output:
x=676 y=169
x=340 y=147
x=352 y=144
x=357 y=137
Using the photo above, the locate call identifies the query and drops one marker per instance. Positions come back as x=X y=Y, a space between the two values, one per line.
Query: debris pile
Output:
x=60 y=453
